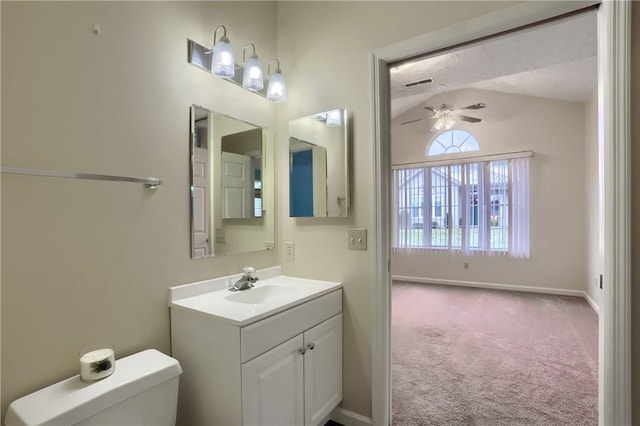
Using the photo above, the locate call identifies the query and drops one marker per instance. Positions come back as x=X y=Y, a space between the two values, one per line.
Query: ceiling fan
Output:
x=446 y=116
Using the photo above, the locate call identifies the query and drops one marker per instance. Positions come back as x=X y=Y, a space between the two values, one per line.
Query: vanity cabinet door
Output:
x=322 y=369
x=273 y=386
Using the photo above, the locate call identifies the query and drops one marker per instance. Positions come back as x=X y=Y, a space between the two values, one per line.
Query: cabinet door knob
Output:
x=302 y=351
x=311 y=346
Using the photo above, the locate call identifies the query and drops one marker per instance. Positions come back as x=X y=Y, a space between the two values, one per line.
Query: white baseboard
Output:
x=508 y=287
x=349 y=418
x=592 y=302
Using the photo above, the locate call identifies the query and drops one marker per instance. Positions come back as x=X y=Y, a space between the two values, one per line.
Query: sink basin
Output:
x=269 y=293
x=244 y=307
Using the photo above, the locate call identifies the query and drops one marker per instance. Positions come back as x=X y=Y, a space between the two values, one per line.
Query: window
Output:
x=473 y=207
x=452 y=142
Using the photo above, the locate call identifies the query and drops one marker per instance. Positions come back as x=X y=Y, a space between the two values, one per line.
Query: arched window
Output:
x=452 y=142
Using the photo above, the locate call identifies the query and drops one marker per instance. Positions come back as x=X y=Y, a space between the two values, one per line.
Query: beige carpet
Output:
x=466 y=356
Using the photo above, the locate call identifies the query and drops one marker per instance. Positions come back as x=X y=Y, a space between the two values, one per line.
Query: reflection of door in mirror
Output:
x=200 y=189
x=236 y=182
x=241 y=165
x=231 y=185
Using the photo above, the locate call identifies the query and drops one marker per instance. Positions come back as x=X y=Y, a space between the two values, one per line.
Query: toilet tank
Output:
x=143 y=390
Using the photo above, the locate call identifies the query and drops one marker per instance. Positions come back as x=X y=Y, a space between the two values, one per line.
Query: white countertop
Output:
x=269 y=296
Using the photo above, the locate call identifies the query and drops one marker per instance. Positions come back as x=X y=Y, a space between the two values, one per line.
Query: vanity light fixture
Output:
x=220 y=61
x=223 y=61
x=276 y=89
x=252 y=78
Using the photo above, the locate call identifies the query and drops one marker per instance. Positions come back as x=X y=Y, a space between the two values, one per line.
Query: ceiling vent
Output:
x=418 y=83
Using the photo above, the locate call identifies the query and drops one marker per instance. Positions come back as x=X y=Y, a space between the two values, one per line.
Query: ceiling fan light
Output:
x=439 y=124
x=449 y=123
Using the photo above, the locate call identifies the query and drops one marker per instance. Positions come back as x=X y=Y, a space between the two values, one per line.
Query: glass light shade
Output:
x=252 y=78
x=223 y=61
x=439 y=124
x=334 y=119
x=448 y=123
x=277 y=89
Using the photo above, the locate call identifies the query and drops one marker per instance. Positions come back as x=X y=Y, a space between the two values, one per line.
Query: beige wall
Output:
x=326 y=48
x=91 y=261
x=88 y=262
x=635 y=211
x=555 y=132
x=593 y=208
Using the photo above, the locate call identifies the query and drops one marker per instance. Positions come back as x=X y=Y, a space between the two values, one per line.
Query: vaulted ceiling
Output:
x=555 y=60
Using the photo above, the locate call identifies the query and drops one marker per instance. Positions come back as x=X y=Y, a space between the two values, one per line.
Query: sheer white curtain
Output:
x=519 y=232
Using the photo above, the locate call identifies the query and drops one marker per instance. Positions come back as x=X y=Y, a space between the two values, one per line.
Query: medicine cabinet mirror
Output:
x=231 y=190
x=318 y=165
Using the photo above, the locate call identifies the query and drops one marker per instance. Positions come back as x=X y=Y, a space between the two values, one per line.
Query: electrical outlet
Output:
x=269 y=245
x=221 y=237
x=289 y=251
x=357 y=238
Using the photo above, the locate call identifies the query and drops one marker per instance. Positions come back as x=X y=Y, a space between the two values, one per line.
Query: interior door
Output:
x=273 y=386
x=201 y=203
x=237 y=185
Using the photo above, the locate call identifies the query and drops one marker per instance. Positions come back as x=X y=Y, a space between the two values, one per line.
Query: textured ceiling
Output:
x=556 y=60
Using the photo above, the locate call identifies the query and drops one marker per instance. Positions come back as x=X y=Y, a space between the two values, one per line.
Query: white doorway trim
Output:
x=614 y=75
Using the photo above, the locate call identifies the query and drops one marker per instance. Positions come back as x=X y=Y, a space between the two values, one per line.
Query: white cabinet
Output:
x=282 y=370
x=322 y=370
x=273 y=386
x=298 y=382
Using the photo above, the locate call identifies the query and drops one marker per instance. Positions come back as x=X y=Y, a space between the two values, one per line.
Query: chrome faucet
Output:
x=246 y=281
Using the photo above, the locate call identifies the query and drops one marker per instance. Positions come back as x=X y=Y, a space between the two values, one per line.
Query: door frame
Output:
x=614 y=31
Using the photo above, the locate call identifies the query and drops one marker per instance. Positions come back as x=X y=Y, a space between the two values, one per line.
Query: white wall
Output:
x=555 y=132
x=88 y=262
x=594 y=203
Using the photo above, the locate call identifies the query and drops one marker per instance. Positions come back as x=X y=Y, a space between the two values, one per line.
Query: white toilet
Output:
x=143 y=390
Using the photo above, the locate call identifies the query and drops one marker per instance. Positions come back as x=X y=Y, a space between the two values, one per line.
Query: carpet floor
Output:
x=468 y=356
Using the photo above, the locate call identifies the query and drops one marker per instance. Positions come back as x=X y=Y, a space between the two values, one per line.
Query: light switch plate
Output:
x=357 y=238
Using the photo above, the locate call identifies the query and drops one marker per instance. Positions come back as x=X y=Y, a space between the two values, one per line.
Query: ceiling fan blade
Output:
x=476 y=106
x=469 y=119
x=413 y=121
x=430 y=108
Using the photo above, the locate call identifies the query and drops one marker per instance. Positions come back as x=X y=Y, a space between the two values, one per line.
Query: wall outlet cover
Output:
x=289 y=251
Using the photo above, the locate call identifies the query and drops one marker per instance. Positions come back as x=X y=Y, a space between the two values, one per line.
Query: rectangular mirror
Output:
x=318 y=165
x=231 y=200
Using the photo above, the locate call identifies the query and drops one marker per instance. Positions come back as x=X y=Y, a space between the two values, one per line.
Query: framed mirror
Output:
x=231 y=191
x=318 y=165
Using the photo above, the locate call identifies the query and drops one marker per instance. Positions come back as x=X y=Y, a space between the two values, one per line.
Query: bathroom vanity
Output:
x=271 y=354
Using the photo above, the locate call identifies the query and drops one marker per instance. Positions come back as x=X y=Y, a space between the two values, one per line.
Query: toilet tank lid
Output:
x=71 y=401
